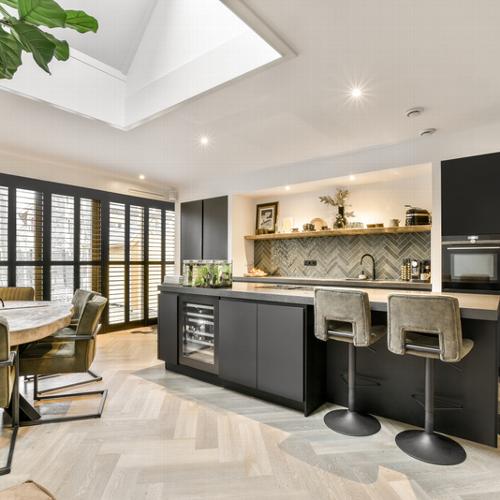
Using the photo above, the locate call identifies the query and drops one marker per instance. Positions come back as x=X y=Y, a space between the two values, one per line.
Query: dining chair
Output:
x=17 y=293
x=9 y=388
x=80 y=299
x=73 y=352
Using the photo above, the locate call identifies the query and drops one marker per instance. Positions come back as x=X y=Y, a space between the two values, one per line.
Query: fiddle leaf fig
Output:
x=10 y=55
x=34 y=40
x=20 y=31
x=81 y=22
x=42 y=12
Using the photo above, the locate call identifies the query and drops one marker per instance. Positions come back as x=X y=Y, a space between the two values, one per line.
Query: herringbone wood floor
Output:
x=165 y=436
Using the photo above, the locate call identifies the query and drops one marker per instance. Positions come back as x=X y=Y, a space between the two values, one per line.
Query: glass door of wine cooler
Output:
x=198 y=332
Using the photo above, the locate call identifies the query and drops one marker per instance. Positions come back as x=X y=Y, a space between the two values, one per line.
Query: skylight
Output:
x=129 y=72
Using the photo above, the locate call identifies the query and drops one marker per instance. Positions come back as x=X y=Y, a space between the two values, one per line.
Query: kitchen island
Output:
x=263 y=344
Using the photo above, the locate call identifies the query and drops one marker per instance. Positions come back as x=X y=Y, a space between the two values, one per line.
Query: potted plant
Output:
x=339 y=201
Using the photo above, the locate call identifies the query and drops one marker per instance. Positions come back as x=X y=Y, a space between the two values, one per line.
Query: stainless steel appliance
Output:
x=198 y=333
x=417 y=216
x=471 y=263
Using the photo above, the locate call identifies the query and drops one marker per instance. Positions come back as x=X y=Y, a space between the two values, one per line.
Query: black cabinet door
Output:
x=470 y=194
x=167 y=327
x=238 y=342
x=280 y=351
x=215 y=228
x=191 y=230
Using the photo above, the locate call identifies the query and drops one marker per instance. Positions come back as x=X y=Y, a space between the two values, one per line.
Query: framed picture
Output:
x=267 y=214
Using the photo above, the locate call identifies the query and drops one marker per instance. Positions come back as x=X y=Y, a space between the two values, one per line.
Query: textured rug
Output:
x=26 y=491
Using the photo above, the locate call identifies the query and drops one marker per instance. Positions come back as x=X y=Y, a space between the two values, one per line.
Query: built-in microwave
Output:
x=471 y=263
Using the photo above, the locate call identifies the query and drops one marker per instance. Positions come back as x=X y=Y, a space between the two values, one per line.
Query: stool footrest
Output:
x=369 y=381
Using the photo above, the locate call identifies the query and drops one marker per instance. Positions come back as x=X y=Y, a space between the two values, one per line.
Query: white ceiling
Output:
x=121 y=28
x=440 y=55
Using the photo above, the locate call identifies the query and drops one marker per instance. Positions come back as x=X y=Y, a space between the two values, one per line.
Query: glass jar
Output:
x=187 y=272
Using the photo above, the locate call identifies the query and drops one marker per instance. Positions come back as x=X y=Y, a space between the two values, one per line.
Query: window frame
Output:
x=47 y=189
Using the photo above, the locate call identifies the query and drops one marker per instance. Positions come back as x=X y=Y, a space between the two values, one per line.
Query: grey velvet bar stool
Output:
x=430 y=327
x=344 y=315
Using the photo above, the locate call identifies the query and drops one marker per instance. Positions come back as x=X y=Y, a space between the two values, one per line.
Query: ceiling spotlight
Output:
x=356 y=92
x=287 y=188
x=204 y=140
x=352 y=177
x=414 y=112
x=142 y=177
x=427 y=131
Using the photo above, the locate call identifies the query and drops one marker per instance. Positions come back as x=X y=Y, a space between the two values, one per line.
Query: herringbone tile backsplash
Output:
x=339 y=257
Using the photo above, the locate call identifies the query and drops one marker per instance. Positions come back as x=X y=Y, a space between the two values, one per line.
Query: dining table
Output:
x=28 y=322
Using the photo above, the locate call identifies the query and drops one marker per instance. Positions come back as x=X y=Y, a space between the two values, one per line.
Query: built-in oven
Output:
x=198 y=333
x=471 y=263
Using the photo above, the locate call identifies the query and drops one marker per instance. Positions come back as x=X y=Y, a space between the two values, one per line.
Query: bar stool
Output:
x=344 y=315
x=430 y=327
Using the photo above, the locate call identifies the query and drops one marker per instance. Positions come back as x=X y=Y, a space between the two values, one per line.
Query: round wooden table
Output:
x=31 y=321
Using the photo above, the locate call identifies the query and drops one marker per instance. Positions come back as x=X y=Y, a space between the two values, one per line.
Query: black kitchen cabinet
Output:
x=192 y=230
x=204 y=229
x=167 y=328
x=238 y=342
x=215 y=228
x=470 y=195
x=280 y=351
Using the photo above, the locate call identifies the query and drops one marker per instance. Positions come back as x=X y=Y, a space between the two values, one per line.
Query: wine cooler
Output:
x=198 y=334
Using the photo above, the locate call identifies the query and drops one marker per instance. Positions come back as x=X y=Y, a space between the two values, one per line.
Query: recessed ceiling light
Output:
x=287 y=188
x=352 y=177
x=414 y=112
x=356 y=92
x=142 y=177
x=204 y=140
x=427 y=131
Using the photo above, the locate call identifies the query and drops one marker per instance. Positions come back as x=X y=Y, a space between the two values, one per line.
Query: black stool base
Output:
x=351 y=423
x=430 y=447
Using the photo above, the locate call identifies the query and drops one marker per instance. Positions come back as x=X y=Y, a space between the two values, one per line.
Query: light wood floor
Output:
x=165 y=436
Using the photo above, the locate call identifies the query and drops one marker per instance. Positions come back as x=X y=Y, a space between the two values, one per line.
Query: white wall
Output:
x=46 y=169
x=372 y=203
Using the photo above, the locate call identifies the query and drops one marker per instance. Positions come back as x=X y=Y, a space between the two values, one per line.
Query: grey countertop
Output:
x=348 y=282
x=472 y=306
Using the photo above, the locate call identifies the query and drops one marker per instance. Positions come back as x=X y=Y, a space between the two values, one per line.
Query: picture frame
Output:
x=266 y=217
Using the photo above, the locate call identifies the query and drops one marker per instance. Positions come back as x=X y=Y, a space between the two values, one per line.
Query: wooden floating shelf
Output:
x=340 y=232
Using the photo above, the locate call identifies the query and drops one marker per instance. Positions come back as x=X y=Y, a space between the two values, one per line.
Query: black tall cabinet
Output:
x=204 y=229
x=470 y=194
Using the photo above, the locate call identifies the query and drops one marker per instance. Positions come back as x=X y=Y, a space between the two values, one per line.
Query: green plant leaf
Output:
x=42 y=12
x=10 y=3
x=34 y=40
x=62 y=48
x=10 y=55
x=80 y=21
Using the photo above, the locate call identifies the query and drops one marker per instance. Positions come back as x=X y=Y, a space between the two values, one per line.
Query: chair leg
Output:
x=426 y=445
x=103 y=393
x=15 y=421
x=349 y=421
x=94 y=378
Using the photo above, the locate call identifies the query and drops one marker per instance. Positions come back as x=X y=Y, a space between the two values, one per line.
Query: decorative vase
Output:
x=340 y=220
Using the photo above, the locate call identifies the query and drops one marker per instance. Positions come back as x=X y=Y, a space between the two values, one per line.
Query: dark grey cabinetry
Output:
x=280 y=352
x=238 y=342
x=167 y=328
x=470 y=194
x=192 y=230
x=204 y=229
x=262 y=347
x=215 y=228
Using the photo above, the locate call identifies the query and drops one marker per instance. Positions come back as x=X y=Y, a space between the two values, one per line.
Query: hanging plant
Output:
x=20 y=31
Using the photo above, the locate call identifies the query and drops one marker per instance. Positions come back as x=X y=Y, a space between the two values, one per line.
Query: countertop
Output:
x=306 y=281
x=472 y=306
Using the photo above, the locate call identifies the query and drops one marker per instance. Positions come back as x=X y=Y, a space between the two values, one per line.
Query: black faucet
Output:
x=3 y=303
x=373 y=264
